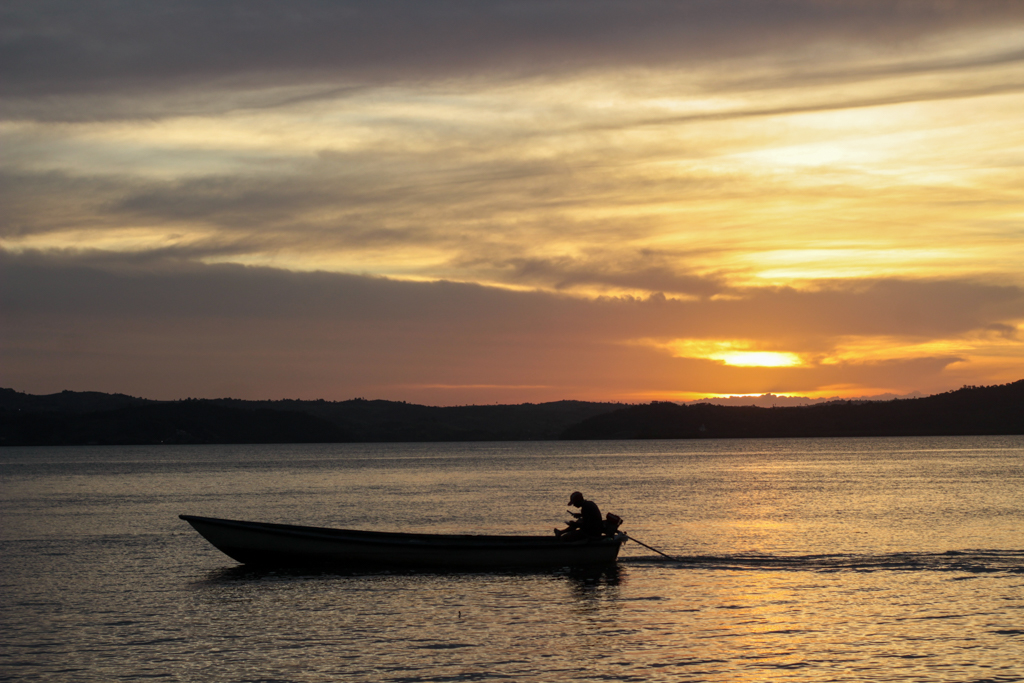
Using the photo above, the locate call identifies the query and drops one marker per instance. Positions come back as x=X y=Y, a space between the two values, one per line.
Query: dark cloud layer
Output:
x=128 y=286
x=61 y=47
x=103 y=321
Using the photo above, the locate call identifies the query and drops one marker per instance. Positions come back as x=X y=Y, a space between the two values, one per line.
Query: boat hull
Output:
x=286 y=544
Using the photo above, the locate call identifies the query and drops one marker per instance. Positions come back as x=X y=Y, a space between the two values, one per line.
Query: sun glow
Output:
x=760 y=359
x=734 y=353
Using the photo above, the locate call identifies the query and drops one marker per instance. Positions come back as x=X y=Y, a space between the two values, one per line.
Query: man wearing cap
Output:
x=588 y=522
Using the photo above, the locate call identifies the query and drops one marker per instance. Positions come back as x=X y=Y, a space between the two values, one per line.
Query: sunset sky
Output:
x=490 y=201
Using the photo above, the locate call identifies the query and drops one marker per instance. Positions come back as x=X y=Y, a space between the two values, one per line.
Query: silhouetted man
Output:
x=588 y=522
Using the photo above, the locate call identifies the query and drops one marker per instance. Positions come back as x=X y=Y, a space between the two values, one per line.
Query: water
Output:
x=798 y=560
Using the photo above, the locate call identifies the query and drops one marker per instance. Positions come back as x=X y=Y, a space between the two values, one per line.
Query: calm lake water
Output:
x=799 y=560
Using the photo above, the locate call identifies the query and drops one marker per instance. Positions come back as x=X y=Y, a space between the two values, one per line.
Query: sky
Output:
x=508 y=201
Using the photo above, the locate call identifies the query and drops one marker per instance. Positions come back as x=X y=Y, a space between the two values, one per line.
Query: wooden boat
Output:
x=287 y=544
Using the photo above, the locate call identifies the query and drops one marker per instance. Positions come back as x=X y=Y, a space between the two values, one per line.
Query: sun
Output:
x=758 y=359
x=734 y=352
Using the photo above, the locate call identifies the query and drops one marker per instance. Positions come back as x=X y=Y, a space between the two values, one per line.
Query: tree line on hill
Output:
x=97 y=418
x=78 y=418
x=966 y=411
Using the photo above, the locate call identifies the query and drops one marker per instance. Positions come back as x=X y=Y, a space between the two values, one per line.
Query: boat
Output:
x=263 y=543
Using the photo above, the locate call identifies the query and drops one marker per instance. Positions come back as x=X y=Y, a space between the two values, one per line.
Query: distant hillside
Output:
x=971 y=410
x=70 y=418
x=67 y=401
x=167 y=423
x=95 y=418
x=398 y=421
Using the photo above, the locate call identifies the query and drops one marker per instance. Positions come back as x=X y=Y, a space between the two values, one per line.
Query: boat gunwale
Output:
x=439 y=541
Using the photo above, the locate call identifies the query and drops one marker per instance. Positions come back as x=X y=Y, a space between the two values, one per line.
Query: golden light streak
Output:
x=736 y=353
x=760 y=359
x=121 y=239
x=874 y=349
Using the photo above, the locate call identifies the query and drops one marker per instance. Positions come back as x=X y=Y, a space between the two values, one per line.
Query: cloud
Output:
x=113 y=285
x=492 y=219
x=397 y=195
x=643 y=271
x=122 y=49
x=1004 y=331
x=156 y=326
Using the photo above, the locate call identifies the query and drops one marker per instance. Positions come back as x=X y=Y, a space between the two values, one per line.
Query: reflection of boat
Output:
x=262 y=543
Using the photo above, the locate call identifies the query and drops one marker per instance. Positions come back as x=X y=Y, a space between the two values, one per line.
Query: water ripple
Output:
x=966 y=561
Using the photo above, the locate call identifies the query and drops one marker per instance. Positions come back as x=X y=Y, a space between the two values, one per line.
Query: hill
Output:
x=970 y=410
x=71 y=418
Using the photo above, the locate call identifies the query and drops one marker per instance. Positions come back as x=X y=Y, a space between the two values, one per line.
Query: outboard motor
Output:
x=612 y=522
